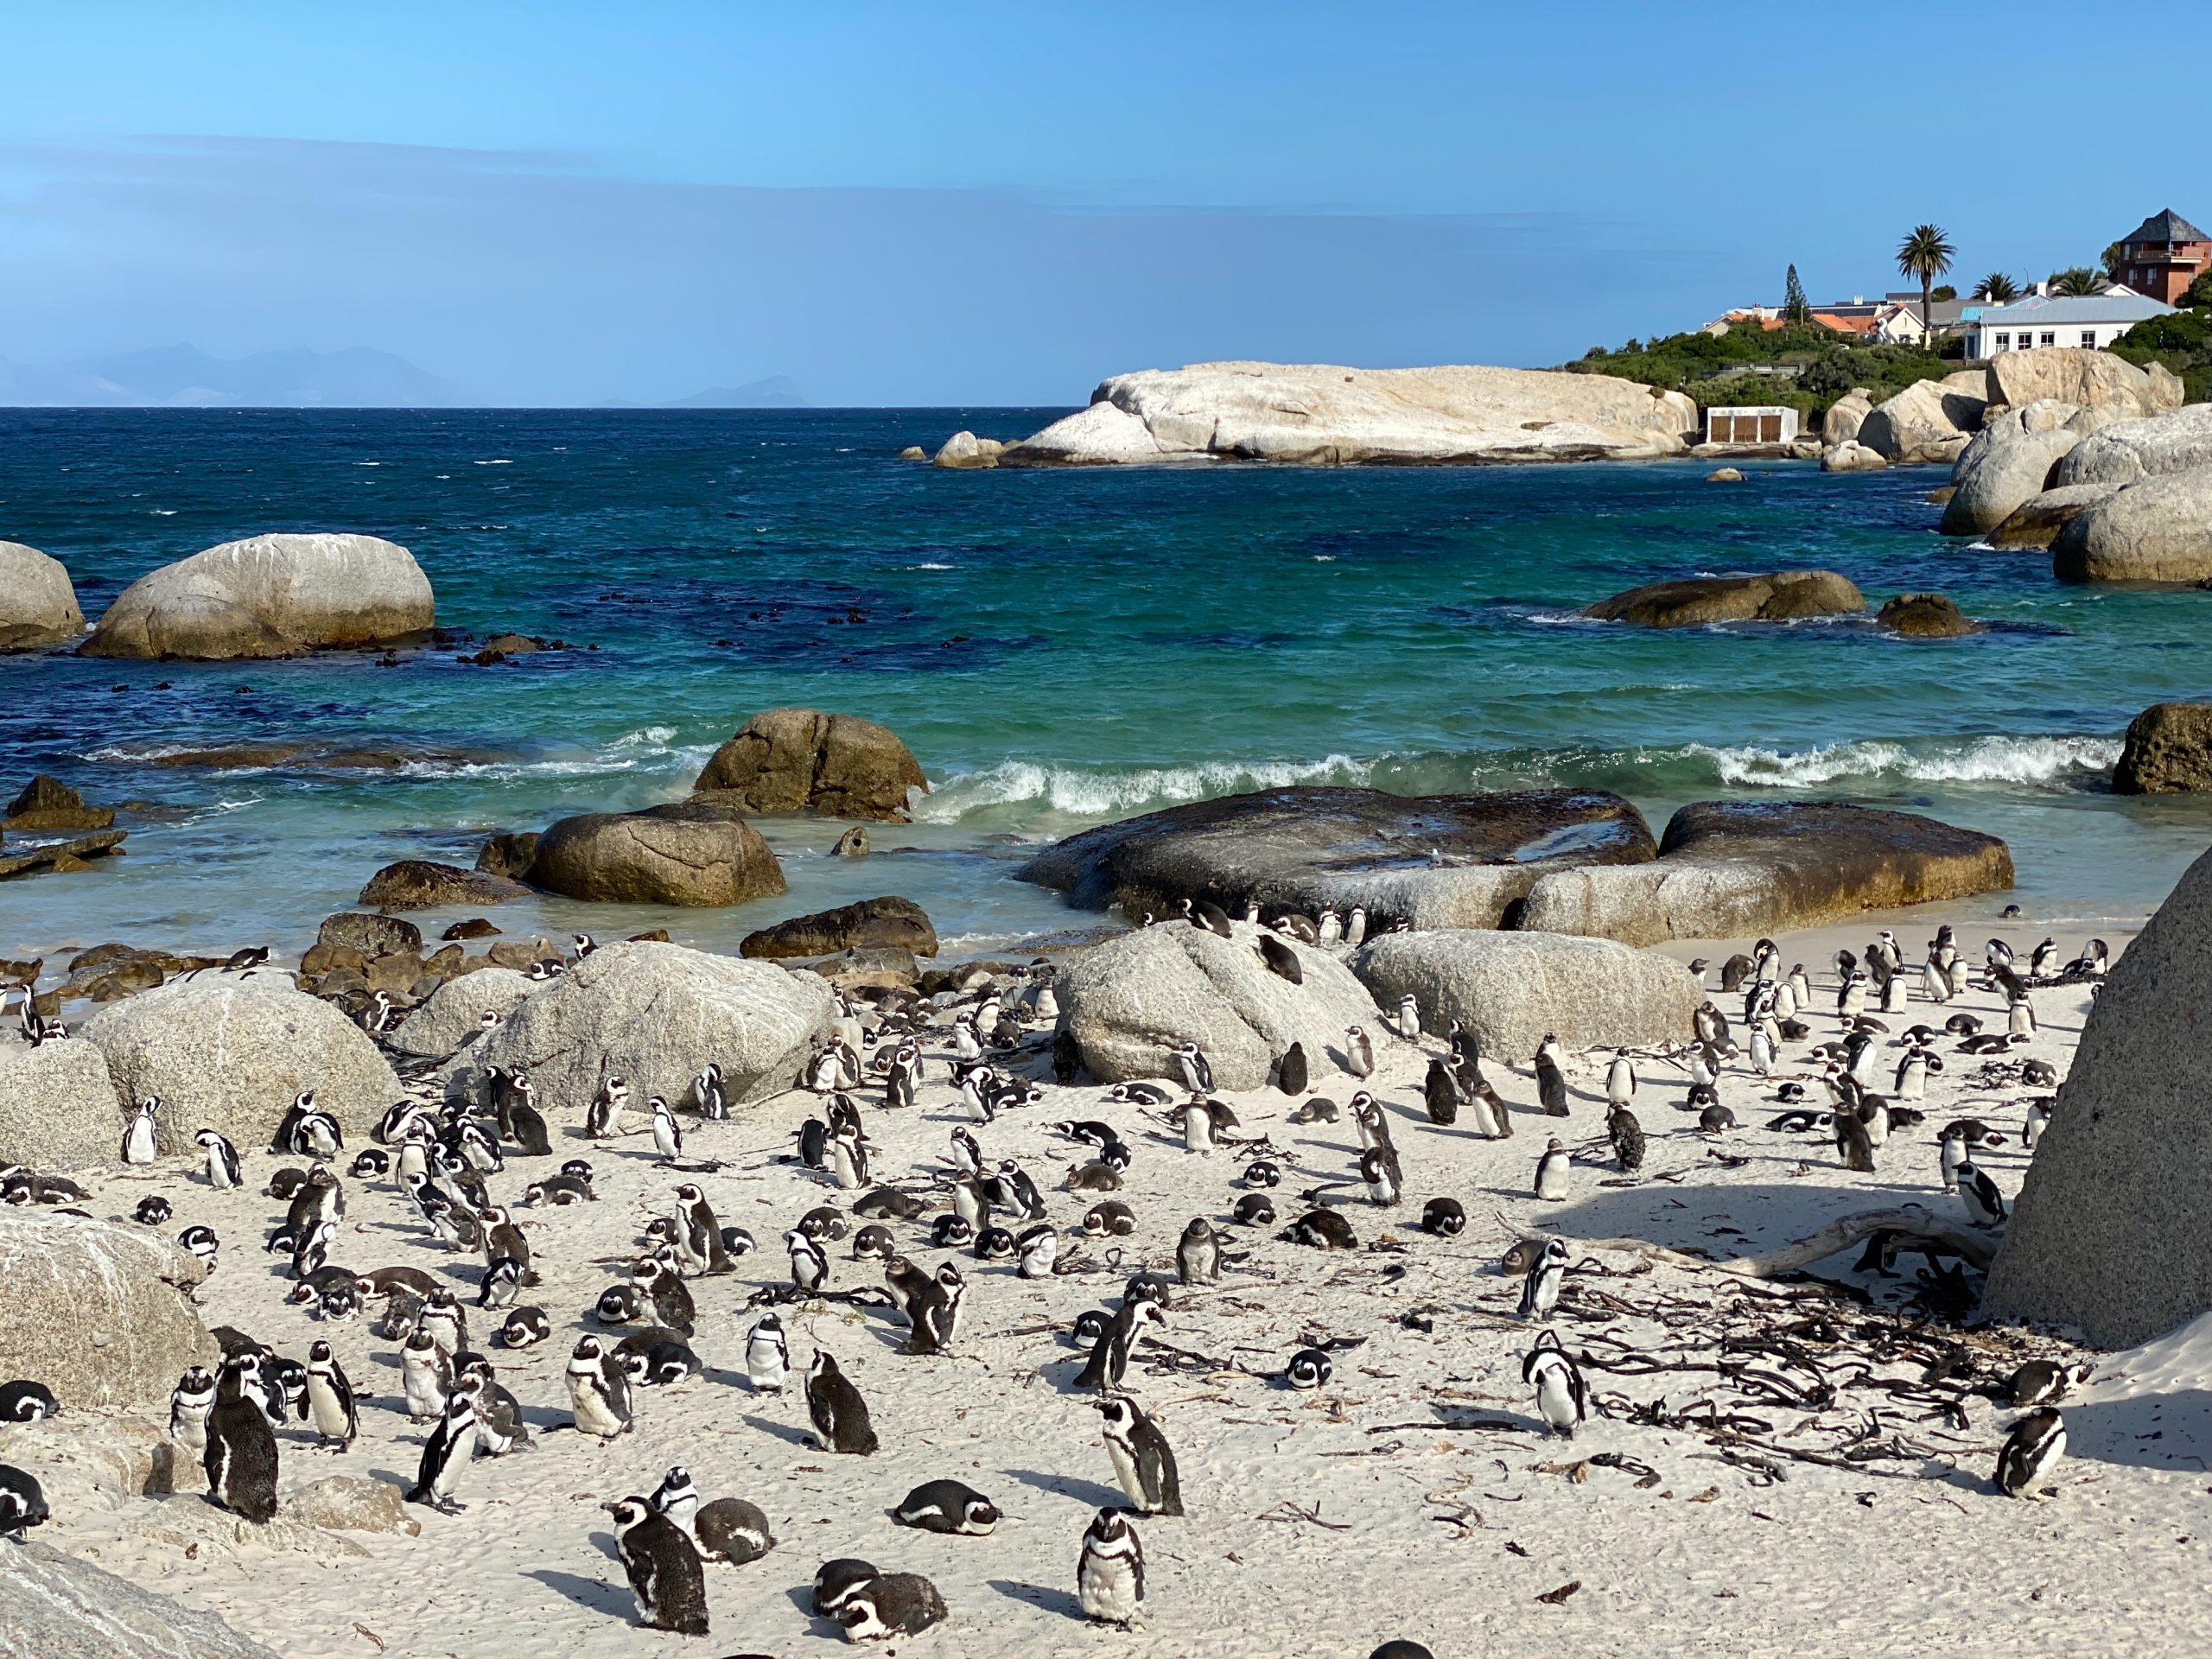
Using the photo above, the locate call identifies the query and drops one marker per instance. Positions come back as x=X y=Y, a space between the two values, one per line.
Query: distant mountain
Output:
x=184 y=377
x=776 y=391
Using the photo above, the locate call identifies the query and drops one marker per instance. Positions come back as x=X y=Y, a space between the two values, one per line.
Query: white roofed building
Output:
x=2043 y=320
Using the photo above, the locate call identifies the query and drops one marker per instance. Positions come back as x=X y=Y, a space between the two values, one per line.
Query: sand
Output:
x=1320 y=1523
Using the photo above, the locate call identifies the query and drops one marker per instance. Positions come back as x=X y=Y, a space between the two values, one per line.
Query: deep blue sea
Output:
x=1059 y=648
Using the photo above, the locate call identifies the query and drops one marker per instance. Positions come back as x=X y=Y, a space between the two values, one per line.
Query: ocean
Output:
x=1057 y=648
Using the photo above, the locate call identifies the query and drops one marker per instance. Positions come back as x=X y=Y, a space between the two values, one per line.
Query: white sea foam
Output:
x=1930 y=760
x=1112 y=793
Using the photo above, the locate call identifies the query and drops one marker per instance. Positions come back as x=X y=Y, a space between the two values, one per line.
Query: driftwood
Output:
x=1912 y=1224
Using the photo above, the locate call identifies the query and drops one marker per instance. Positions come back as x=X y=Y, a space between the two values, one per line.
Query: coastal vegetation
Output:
x=2181 y=342
x=1801 y=366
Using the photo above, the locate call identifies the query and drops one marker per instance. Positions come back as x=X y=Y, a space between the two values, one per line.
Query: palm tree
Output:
x=1997 y=288
x=1926 y=254
x=2076 y=282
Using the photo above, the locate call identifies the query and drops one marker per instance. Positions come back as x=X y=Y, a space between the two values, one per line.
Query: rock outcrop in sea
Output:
x=1328 y=415
x=690 y=853
x=270 y=597
x=38 y=604
x=805 y=761
x=1784 y=596
x=2167 y=751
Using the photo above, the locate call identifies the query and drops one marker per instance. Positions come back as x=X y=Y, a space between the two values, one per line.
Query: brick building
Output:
x=2161 y=257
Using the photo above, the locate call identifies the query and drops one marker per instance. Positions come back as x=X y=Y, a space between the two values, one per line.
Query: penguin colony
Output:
x=770 y=1322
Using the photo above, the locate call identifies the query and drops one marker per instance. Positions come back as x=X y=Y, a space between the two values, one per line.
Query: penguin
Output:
x=1953 y=1144
x=1321 y=1230
x=1192 y=1066
x=874 y=1243
x=222 y=1160
x=1378 y=1169
x=603 y=1118
x=664 y=1568
x=1309 y=1368
x=1620 y=1080
x=1444 y=1218
x=1911 y=1081
x=767 y=1355
x=1552 y=1172
x=730 y=1529
x=202 y=1243
x=1197 y=1254
x=1282 y=961
x=1441 y=1094
x=810 y=1264
x=501 y=1283
x=1359 y=1052
x=1111 y=1219
x=449 y=1447
x=331 y=1407
x=703 y=1242
x=2031 y=1451
x=1985 y=1204
x=426 y=1375
x=1627 y=1135
x=2044 y=1383
x=26 y=1402
x=599 y=1393
x=707 y=1089
x=1109 y=1574
x=835 y=1406
x=835 y=1581
x=445 y=1321
x=2021 y=1018
x=2031 y=1128
x=938 y=1324
x=1038 y=1249
x=1551 y=1081
x=22 y=1503
x=947 y=1506
x=1562 y=1397
x=524 y=1327
x=1109 y=1355
x=153 y=1211
x=671 y=1302
x=1854 y=1142
x=191 y=1401
x=138 y=1134
x=1144 y=1464
x=1291 y=1071
x=1539 y=1290
x=890 y=1604
x=240 y=1458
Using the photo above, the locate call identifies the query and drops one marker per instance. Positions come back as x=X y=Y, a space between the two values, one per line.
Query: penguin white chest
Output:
x=1556 y=1400
x=1107 y=1585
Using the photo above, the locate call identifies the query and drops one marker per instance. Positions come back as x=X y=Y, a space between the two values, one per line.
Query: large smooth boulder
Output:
x=1851 y=456
x=964 y=450
x=418 y=884
x=2112 y=1231
x=2012 y=460
x=1737 y=870
x=1929 y=420
x=97 y=1310
x=454 y=1016
x=1437 y=861
x=1784 y=596
x=1925 y=616
x=2085 y=378
x=888 y=923
x=2168 y=750
x=269 y=596
x=2159 y=531
x=1326 y=414
x=59 y=1108
x=230 y=1053
x=38 y=605
x=2130 y=451
x=1845 y=416
x=1128 y=1002
x=688 y=853
x=654 y=1014
x=1512 y=988
x=54 y=1606
x=802 y=759
x=2037 y=520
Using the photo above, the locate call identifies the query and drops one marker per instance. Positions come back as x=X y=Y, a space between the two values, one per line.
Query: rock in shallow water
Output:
x=1438 y=860
x=802 y=759
x=1787 y=596
x=895 y=923
x=690 y=853
x=417 y=884
x=38 y=605
x=1925 y=616
x=2168 y=750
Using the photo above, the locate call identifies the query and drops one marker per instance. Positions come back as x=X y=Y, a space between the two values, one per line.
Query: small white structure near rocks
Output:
x=1749 y=424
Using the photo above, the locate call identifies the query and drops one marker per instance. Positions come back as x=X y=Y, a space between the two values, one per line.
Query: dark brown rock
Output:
x=852 y=844
x=372 y=935
x=1736 y=869
x=445 y=962
x=514 y=644
x=519 y=953
x=319 y=959
x=2168 y=750
x=417 y=884
x=62 y=856
x=508 y=855
x=474 y=928
x=48 y=803
x=692 y=852
x=1925 y=616
x=1784 y=596
x=396 y=972
x=802 y=759
x=1439 y=861
x=891 y=923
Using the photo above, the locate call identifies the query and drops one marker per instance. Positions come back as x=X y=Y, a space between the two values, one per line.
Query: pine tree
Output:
x=1793 y=308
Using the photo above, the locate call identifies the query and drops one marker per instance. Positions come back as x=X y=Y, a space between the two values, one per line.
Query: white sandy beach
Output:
x=1320 y=1524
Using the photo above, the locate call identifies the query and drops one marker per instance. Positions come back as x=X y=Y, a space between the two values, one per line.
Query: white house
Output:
x=2089 y=321
x=1747 y=423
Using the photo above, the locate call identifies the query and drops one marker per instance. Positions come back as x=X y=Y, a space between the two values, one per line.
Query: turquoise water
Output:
x=1057 y=648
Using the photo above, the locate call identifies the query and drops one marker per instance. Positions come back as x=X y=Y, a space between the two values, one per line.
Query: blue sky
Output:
x=987 y=203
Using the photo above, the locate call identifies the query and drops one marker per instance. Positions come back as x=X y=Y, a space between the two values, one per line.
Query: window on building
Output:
x=2049 y=338
x=2004 y=342
x=2089 y=337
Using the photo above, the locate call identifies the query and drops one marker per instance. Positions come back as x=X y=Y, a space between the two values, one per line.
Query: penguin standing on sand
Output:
x=138 y=1134
x=1985 y=1204
x=1539 y=1290
x=1551 y=1079
x=222 y=1160
x=1191 y=1065
x=1552 y=1172
x=1359 y=1053
x=450 y=1447
x=839 y=1414
x=191 y=1401
x=1110 y=1575
x=241 y=1454
x=1620 y=1080
x=1561 y=1395
x=809 y=1262
x=1144 y=1462
x=1109 y=1355
x=706 y=1089
x=2031 y=1451
x=1197 y=1254
x=668 y=1133
x=598 y=1393
x=330 y=1399
x=1627 y=1135
x=767 y=1355
x=666 y=1576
